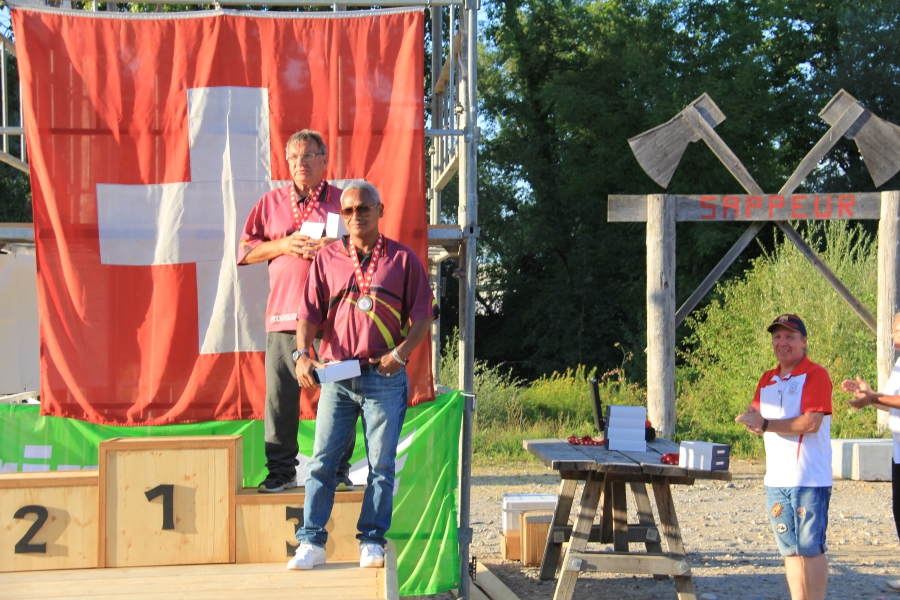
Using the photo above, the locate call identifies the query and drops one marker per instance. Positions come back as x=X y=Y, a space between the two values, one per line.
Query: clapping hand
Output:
x=752 y=420
x=863 y=394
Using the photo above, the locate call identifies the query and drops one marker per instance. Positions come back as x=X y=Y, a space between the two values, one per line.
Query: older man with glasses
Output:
x=272 y=234
x=371 y=297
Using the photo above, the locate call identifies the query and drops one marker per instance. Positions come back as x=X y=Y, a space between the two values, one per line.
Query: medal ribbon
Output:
x=365 y=283
x=311 y=204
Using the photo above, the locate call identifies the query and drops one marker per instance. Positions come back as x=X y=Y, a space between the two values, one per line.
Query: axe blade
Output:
x=878 y=140
x=659 y=150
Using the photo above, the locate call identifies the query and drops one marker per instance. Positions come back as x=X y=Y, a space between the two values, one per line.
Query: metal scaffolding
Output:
x=453 y=151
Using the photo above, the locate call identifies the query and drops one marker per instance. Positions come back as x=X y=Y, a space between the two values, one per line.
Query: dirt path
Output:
x=726 y=532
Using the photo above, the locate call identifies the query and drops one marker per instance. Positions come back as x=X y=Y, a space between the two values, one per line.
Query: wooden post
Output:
x=888 y=288
x=661 y=313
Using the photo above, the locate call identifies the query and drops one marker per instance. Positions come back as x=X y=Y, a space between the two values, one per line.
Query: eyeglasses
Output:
x=305 y=157
x=361 y=209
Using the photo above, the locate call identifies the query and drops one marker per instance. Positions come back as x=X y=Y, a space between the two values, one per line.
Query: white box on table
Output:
x=628 y=435
x=626 y=445
x=338 y=371
x=515 y=504
x=705 y=456
x=626 y=412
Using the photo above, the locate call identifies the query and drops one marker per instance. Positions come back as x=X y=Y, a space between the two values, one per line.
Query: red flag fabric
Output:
x=150 y=137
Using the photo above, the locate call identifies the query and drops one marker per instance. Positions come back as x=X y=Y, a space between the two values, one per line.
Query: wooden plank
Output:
x=492 y=584
x=835 y=206
x=560 y=454
x=172 y=442
x=447 y=174
x=721 y=150
x=332 y=580
x=49 y=479
x=619 y=517
x=294 y=496
x=606 y=519
x=668 y=524
x=888 y=289
x=664 y=446
x=391 y=588
x=638 y=564
x=645 y=517
x=637 y=534
x=561 y=514
x=831 y=137
x=858 y=307
x=565 y=585
x=661 y=312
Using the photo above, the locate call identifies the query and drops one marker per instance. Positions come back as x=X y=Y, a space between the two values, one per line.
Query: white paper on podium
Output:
x=338 y=371
x=312 y=230
x=336 y=228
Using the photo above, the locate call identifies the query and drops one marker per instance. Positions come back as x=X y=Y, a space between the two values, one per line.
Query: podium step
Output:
x=340 y=580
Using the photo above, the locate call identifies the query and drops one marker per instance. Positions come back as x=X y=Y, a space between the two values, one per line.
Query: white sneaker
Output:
x=307 y=556
x=371 y=556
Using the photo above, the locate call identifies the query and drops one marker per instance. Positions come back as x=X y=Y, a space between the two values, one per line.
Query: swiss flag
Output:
x=150 y=137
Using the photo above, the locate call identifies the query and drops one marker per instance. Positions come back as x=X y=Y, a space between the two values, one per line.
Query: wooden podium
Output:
x=158 y=502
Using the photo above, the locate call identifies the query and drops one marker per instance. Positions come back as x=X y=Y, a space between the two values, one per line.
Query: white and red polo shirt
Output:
x=400 y=290
x=271 y=219
x=797 y=460
x=892 y=388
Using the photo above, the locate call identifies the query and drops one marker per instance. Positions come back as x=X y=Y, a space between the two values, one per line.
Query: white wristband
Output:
x=396 y=356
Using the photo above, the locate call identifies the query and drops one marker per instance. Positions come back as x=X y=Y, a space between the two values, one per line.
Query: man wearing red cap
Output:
x=792 y=411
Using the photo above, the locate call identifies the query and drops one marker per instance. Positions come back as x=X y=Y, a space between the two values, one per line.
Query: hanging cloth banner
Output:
x=150 y=138
x=425 y=499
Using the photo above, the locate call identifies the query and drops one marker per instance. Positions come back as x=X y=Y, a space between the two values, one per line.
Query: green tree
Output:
x=564 y=84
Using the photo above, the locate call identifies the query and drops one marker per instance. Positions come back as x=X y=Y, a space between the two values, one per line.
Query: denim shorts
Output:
x=799 y=518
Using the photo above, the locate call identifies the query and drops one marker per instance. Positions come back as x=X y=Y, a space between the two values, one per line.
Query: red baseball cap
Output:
x=792 y=322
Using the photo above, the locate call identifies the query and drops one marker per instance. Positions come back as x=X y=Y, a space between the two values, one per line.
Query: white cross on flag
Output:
x=150 y=138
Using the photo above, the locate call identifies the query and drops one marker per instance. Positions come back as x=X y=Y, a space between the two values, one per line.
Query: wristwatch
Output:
x=396 y=356
x=298 y=353
x=765 y=425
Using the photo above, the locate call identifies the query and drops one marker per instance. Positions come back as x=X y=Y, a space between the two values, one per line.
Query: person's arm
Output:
x=864 y=395
x=418 y=330
x=305 y=366
x=292 y=245
x=808 y=422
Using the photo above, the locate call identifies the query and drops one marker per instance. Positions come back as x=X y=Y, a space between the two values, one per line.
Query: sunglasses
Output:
x=360 y=209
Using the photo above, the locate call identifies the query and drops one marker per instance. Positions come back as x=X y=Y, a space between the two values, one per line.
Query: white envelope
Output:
x=336 y=228
x=312 y=230
x=338 y=371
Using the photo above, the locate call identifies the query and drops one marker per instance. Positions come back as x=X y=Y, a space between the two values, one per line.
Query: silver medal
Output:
x=364 y=304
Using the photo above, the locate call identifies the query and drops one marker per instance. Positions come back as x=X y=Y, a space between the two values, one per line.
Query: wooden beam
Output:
x=727 y=208
x=722 y=151
x=854 y=303
x=14 y=162
x=623 y=562
x=661 y=313
x=448 y=173
x=707 y=284
x=888 y=288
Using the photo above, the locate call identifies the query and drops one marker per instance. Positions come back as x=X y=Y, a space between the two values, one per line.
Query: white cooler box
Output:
x=705 y=456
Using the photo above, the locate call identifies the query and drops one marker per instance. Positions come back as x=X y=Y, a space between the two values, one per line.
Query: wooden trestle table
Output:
x=605 y=474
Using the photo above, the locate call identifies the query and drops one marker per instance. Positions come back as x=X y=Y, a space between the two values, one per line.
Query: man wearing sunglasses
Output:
x=371 y=298
x=271 y=234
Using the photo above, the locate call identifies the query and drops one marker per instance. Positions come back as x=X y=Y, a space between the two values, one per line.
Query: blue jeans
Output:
x=799 y=518
x=381 y=401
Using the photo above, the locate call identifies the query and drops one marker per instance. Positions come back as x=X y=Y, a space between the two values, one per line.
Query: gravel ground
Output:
x=726 y=533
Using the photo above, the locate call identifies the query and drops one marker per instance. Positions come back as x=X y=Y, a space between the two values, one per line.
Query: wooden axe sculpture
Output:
x=878 y=140
x=659 y=150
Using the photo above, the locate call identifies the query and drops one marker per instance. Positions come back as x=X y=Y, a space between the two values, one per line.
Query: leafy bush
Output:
x=730 y=348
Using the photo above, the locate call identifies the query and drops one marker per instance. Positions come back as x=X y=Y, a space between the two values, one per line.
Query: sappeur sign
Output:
x=751 y=207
